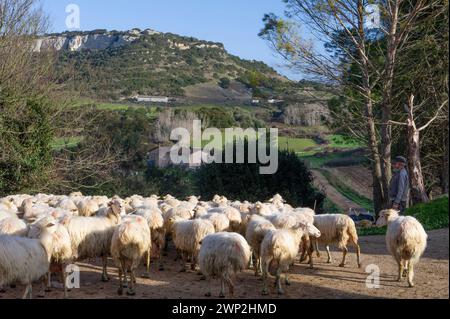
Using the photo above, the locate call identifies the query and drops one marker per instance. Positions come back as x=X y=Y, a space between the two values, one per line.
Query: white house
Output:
x=160 y=157
x=151 y=99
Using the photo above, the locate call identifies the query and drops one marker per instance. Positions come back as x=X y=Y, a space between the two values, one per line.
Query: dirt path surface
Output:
x=332 y=194
x=327 y=281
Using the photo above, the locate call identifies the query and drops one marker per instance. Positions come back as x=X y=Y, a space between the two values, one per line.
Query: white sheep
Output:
x=67 y=204
x=187 y=236
x=130 y=242
x=61 y=254
x=33 y=211
x=263 y=209
x=257 y=229
x=26 y=260
x=406 y=241
x=220 y=221
x=279 y=249
x=87 y=207
x=337 y=229
x=221 y=256
x=91 y=236
x=155 y=221
x=13 y=226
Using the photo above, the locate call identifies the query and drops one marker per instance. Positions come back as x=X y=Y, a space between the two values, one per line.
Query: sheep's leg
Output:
x=49 y=282
x=400 y=270
x=28 y=292
x=105 y=277
x=161 y=265
x=131 y=291
x=257 y=265
x=231 y=288
x=344 y=255
x=41 y=293
x=63 y=278
x=306 y=242
x=330 y=260
x=265 y=270
x=193 y=262
x=316 y=245
x=406 y=269
x=147 y=273
x=183 y=262
x=2 y=290
x=286 y=279
x=222 y=288
x=410 y=274
x=278 y=281
x=358 y=255
x=209 y=294
x=310 y=250
x=120 y=290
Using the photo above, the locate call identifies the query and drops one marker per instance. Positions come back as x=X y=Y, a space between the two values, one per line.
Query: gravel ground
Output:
x=326 y=281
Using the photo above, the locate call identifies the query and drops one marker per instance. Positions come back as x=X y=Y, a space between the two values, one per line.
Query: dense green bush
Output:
x=244 y=182
x=25 y=142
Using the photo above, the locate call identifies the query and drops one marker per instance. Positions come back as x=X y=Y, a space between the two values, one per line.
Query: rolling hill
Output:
x=117 y=64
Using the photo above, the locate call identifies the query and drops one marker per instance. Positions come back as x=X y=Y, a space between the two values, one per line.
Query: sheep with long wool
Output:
x=406 y=241
x=223 y=255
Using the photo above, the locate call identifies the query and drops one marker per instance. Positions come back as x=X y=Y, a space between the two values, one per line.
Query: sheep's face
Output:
x=310 y=229
x=117 y=207
x=385 y=216
x=47 y=223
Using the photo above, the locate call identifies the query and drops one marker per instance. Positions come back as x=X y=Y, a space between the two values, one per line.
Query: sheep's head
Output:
x=193 y=199
x=308 y=228
x=117 y=207
x=277 y=198
x=36 y=229
x=385 y=216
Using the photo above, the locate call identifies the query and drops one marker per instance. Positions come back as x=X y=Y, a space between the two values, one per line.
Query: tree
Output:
x=243 y=181
x=26 y=89
x=360 y=62
x=340 y=23
x=225 y=83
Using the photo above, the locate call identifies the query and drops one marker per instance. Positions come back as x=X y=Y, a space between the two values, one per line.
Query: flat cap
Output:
x=400 y=159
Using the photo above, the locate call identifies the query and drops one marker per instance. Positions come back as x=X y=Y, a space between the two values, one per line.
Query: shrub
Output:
x=244 y=181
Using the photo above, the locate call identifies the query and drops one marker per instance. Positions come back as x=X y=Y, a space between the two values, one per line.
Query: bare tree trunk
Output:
x=386 y=105
x=445 y=168
x=418 y=191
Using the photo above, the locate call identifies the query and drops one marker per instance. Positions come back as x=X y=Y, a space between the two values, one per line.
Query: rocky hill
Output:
x=118 y=64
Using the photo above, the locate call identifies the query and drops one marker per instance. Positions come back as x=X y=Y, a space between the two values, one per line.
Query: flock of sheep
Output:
x=42 y=234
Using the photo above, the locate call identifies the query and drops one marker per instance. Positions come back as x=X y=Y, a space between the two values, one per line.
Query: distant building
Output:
x=274 y=101
x=151 y=99
x=160 y=157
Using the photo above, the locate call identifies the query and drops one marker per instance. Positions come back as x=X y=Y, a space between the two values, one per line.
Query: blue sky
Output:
x=235 y=23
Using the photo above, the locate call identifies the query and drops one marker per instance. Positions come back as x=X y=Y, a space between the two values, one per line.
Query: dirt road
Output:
x=325 y=281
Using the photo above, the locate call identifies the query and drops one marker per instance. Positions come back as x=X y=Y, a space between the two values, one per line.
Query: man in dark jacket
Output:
x=399 y=187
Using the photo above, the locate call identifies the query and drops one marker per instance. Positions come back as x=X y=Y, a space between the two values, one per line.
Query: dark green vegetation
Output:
x=26 y=134
x=293 y=181
x=432 y=215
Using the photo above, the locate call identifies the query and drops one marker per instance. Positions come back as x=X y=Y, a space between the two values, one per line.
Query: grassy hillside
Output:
x=164 y=64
